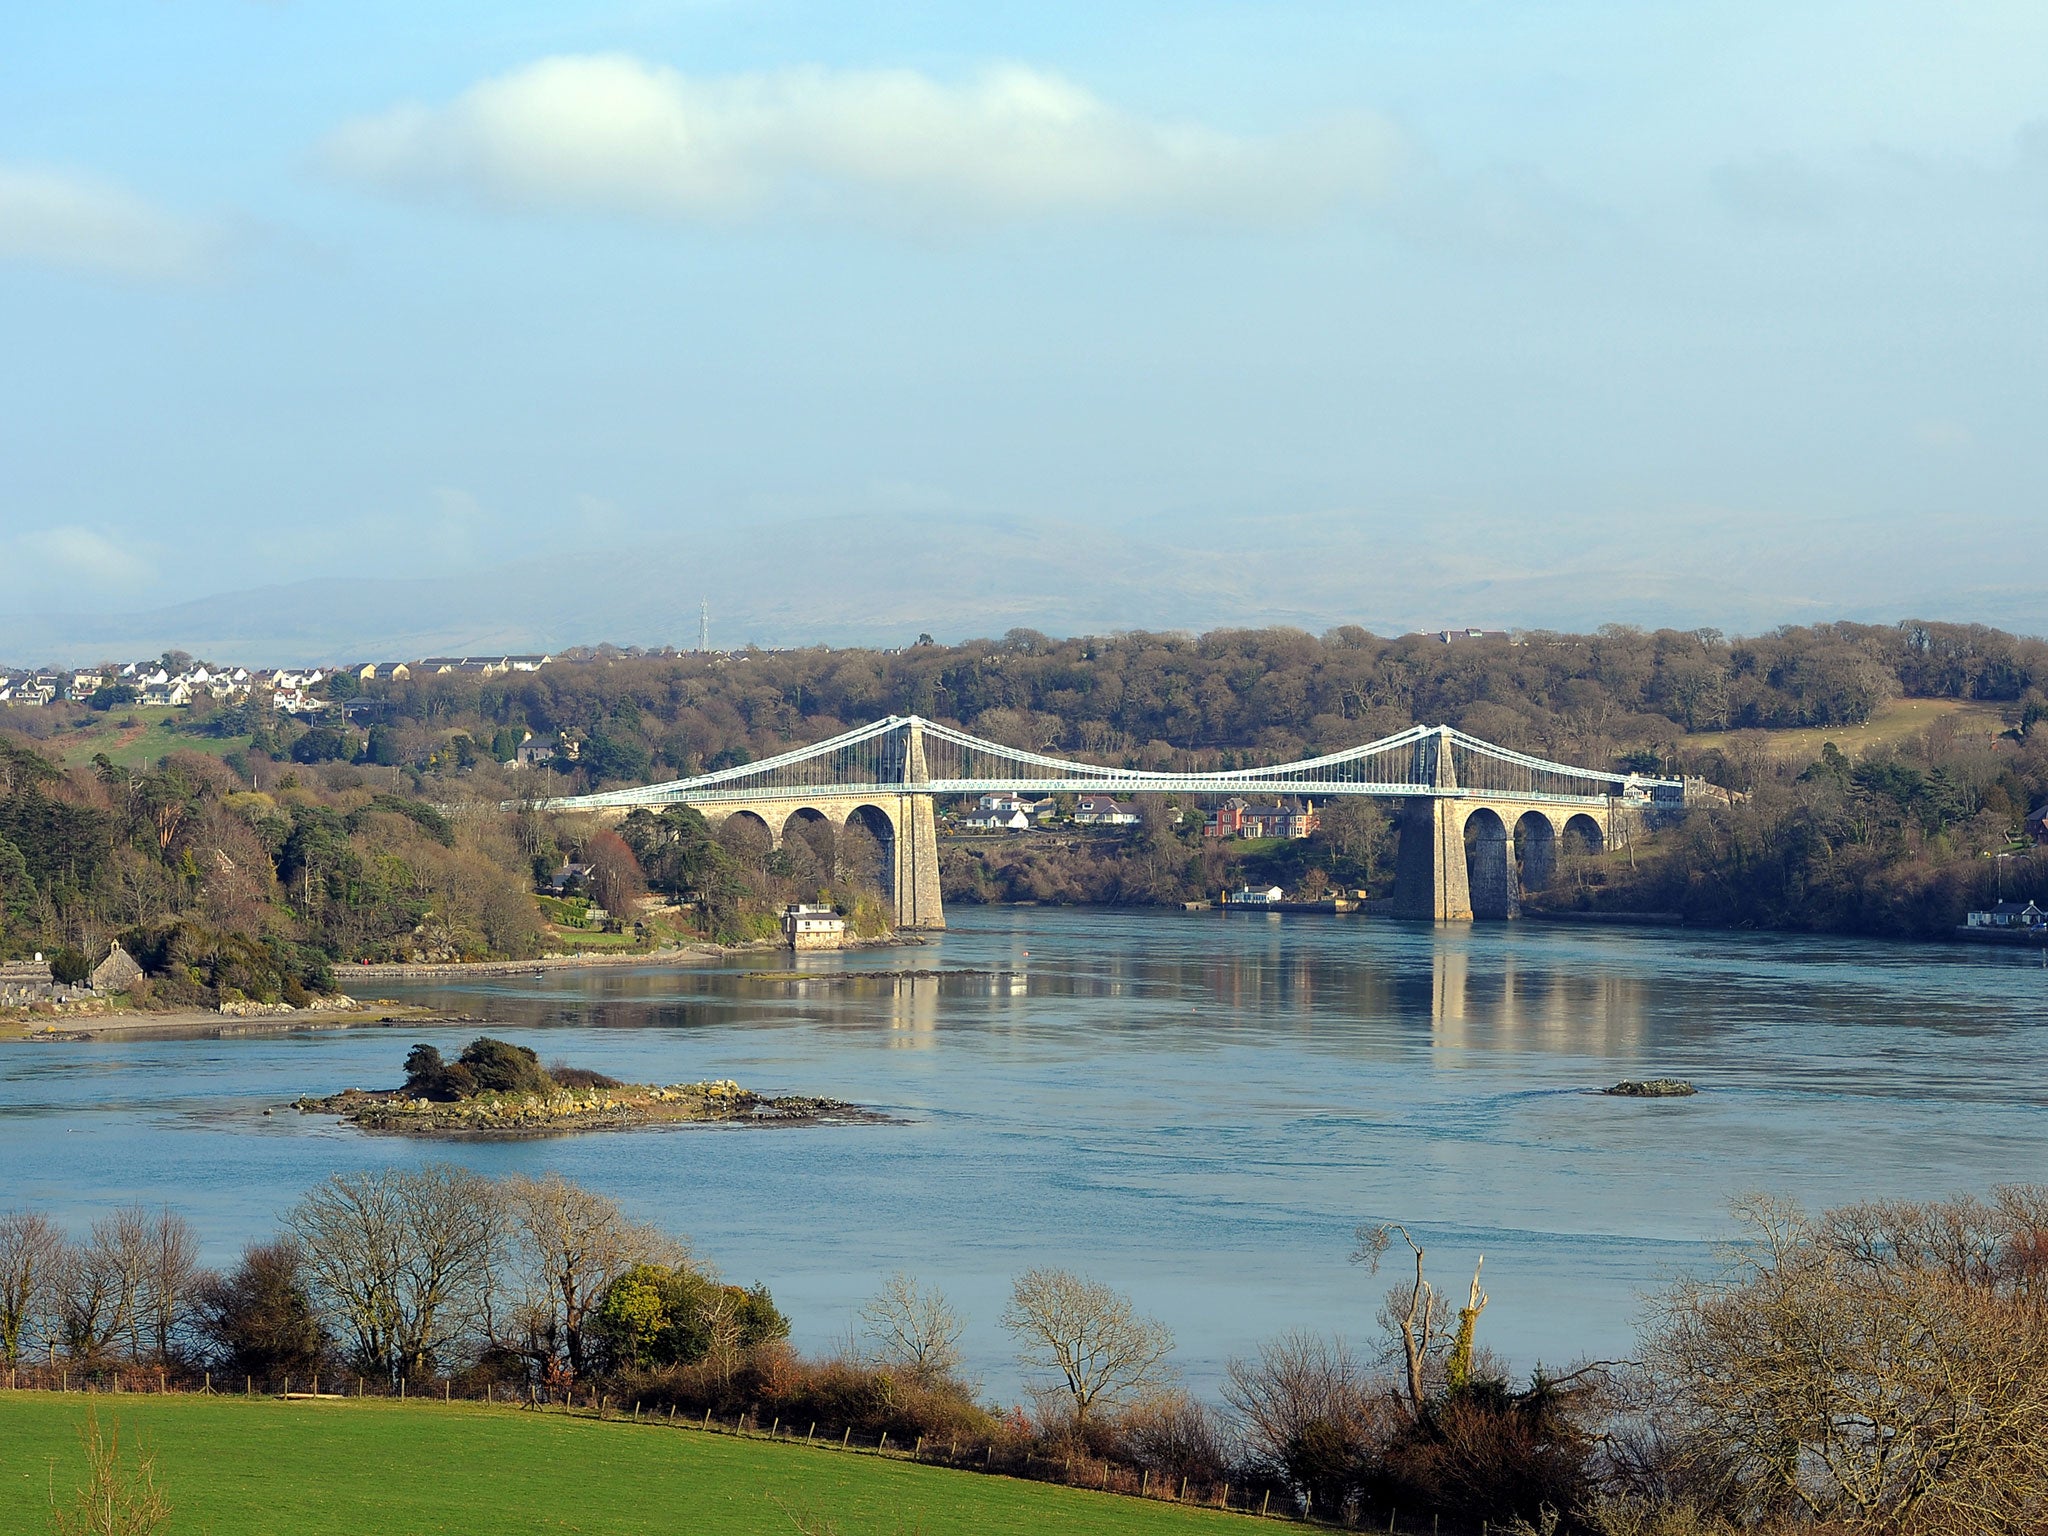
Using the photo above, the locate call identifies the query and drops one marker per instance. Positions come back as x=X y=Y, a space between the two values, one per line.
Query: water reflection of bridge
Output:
x=1478 y=823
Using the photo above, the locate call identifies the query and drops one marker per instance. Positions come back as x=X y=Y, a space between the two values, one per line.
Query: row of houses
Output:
x=292 y=690
x=145 y=682
x=1234 y=818
x=1016 y=813
x=437 y=666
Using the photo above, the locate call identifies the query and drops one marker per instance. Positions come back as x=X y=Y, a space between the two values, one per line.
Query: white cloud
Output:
x=65 y=221
x=612 y=134
x=75 y=554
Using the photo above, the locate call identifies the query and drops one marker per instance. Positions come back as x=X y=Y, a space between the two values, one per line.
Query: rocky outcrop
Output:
x=625 y=1107
x=1652 y=1088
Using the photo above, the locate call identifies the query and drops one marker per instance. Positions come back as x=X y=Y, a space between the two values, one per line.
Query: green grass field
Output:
x=1890 y=724
x=312 y=1468
x=138 y=746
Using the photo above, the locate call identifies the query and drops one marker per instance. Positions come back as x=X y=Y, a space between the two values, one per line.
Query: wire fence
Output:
x=1021 y=1460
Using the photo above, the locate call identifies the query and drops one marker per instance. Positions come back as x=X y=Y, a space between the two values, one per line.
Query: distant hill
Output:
x=885 y=580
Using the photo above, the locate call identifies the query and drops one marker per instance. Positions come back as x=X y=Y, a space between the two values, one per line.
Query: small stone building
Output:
x=117 y=973
x=809 y=926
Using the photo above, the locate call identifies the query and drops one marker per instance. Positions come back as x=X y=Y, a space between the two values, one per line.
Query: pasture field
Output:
x=1891 y=723
x=140 y=745
x=338 y=1467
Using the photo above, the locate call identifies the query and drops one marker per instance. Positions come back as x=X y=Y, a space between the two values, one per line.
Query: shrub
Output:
x=837 y=1395
x=664 y=1315
x=485 y=1066
x=69 y=967
x=259 y=1319
x=580 y=1077
x=498 y=1066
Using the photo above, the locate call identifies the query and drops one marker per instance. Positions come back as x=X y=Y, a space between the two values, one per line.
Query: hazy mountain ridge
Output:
x=884 y=581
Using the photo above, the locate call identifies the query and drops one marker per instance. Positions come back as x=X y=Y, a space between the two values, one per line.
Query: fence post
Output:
x=884 y=1446
x=811 y=1431
x=846 y=1439
x=1182 y=1496
x=919 y=1450
x=447 y=1389
x=1266 y=1503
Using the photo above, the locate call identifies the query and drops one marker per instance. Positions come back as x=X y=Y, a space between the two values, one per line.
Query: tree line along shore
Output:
x=1881 y=1367
x=250 y=864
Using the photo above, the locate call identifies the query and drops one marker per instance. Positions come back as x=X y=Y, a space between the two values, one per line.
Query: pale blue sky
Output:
x=1742 y=301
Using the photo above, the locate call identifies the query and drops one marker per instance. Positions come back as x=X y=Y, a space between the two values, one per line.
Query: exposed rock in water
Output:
x=565 y=1110
x=1652 y=1088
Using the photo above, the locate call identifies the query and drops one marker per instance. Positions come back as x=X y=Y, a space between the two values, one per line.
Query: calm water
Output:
x=1196 y=1107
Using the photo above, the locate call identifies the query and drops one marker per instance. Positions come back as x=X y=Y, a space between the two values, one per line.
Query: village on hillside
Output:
x=175 y=680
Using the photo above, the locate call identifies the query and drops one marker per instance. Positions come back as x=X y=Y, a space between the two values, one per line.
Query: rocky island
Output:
x=1652 y=1088
x=499 y=1090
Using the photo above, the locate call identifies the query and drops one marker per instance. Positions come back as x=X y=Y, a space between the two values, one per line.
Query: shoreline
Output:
x=205 y=1024
x=703 y=952
x=208 y=1024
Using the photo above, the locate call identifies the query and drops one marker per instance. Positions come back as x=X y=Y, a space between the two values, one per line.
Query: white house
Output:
x=1250 y=897
x=806 y=925
x=2010 y=914
x=1104 y=811
x=1013 y=803
x=991 y=819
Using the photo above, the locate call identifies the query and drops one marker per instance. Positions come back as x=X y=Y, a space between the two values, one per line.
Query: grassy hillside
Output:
x=1891 y=724
x=234 y=1466
x=140 y=745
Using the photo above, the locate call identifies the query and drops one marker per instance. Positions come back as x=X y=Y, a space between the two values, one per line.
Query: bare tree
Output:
x=115 y=1499
x=168 y=1294
x=1303 y=1386
x=123 y=1243
x=913 y=1328
x=1880 y=1367
x=571 y=1244
x=31 y=1259
x=99 y=1284
x=1097 y=1346
x=404 y=1262
x=1415 y=1315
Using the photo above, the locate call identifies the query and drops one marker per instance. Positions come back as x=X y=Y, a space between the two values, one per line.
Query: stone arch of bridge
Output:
x=882 y=867
x=1586 y=831
x=1535 y=849
x=1490 y=863
x=742 y=824
x=817 y=833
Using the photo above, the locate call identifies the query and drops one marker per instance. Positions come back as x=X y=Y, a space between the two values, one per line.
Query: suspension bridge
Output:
x=1478 y=823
